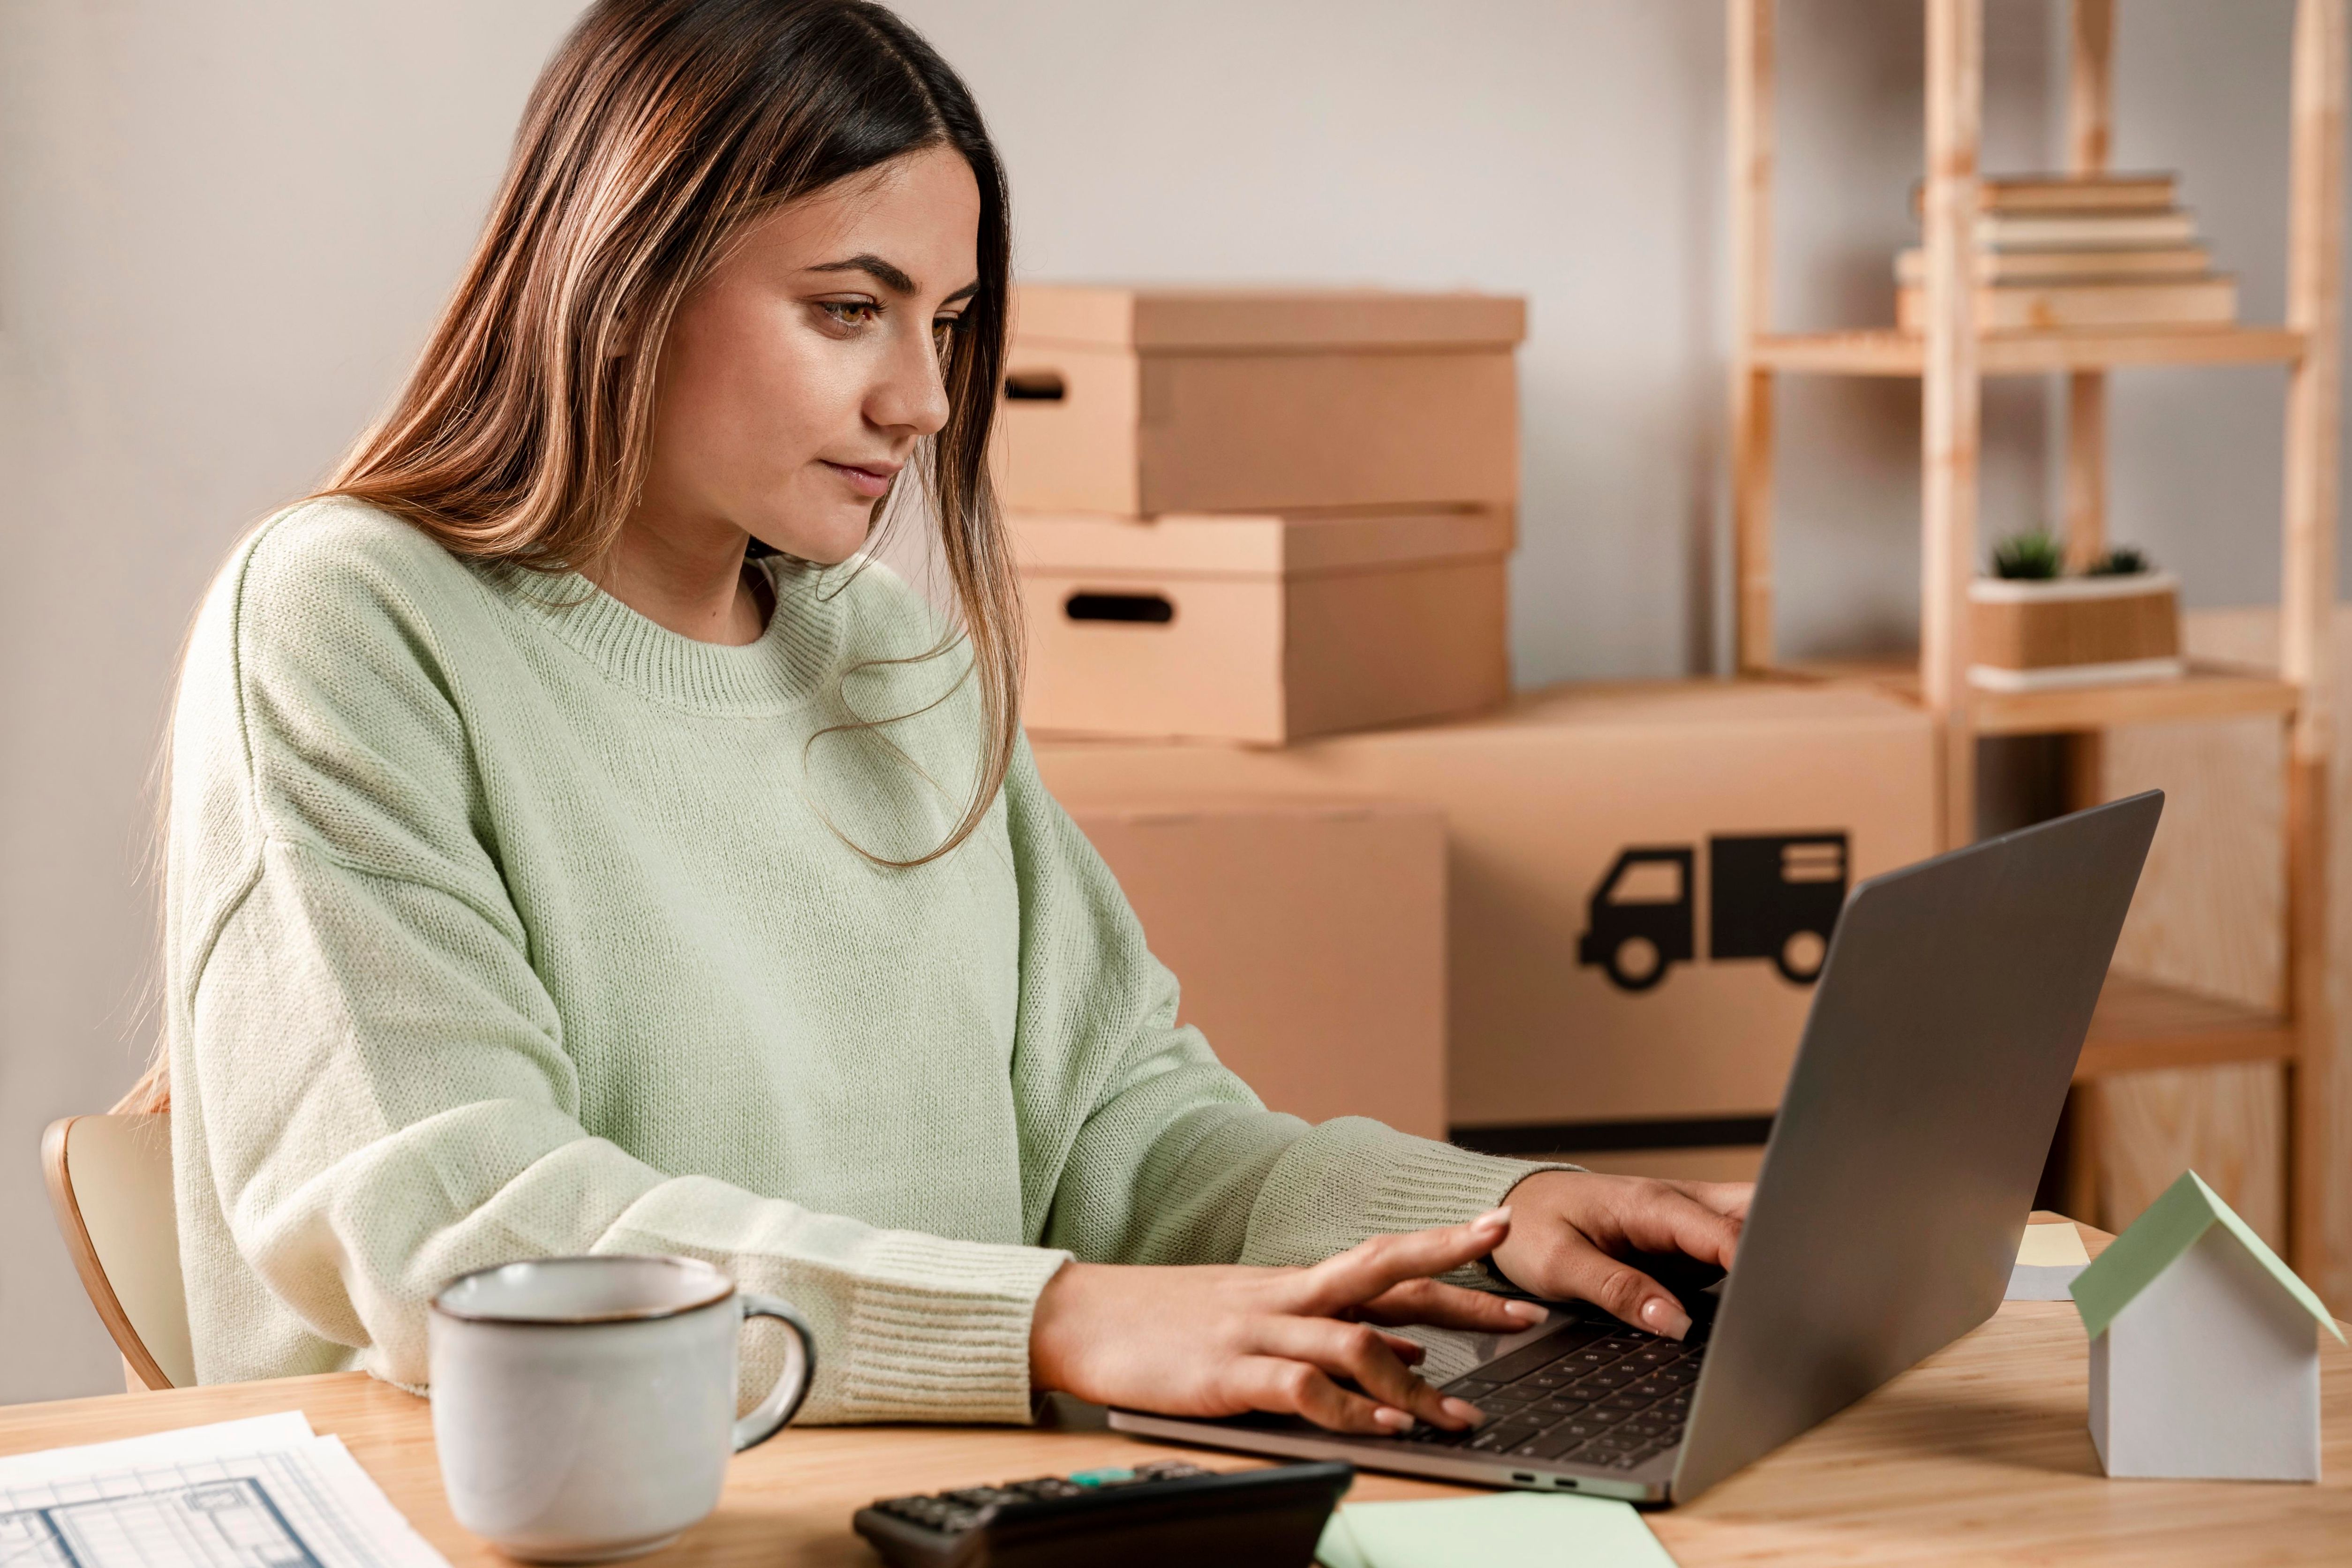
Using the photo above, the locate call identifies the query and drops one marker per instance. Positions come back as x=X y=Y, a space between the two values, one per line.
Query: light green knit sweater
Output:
x=502 y=922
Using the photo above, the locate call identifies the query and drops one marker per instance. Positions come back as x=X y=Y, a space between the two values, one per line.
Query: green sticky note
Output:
x=1522 y=1530
x=1337 y=1547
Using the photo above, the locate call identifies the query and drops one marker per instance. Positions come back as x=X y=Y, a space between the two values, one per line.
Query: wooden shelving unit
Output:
x=2140 y=1025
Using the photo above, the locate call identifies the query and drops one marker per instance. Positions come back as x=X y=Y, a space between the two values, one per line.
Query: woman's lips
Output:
x=871 y=483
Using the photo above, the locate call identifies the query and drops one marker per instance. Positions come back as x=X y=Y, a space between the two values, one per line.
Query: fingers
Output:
x=1444 y=1306
x=1294 y=1388
x=1361 y=1353
x=1662 y=1217
x=1729 y=1198
x=1365 y=1271
x=1592 y=1274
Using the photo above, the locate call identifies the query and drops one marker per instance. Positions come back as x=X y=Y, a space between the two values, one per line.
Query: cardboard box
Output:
x=1136 y=402
x=1308 y=937
x=1717 y=821
x=1261 y=629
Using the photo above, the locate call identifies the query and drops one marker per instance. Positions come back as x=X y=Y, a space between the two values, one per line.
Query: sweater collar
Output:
x=784 y=668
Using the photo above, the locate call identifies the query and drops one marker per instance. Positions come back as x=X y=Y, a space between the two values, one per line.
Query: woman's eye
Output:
x=943 y=331
x=850 y=312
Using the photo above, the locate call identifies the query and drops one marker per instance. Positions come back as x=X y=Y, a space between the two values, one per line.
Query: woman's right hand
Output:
x=1222 y=1341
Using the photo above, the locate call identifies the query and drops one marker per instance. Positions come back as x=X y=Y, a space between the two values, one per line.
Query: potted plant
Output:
x=2033 y=626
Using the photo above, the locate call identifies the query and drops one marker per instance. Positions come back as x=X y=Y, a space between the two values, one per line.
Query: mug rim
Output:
x=724 y=1288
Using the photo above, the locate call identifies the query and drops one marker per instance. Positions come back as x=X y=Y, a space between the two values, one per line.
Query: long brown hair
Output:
x=658 y=131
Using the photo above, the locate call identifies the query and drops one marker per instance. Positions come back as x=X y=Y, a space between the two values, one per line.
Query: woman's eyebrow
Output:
x=890 y=276
x=874 y=267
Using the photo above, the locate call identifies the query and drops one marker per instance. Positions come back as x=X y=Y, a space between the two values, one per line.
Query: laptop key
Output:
x=1500 y=1436
x=1558 y=1441
x=1472 y=1388
x=1531 y=1358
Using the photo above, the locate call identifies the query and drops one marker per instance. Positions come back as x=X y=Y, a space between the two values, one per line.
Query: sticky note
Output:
x=1524 y=1530
x=1337 y=1547
x=2050 y=1245
x=2048 y=1259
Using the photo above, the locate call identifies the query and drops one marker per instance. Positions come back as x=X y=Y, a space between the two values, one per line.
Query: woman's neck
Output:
x=689 y=580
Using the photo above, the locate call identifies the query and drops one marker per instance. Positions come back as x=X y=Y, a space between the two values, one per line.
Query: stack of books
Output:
x=2055 y=252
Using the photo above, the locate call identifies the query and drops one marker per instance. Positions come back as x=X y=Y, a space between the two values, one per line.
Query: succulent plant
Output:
x=2123 y=560
x=2034 y=555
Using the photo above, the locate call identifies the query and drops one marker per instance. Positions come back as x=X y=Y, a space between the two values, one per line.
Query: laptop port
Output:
x=1523 y=1476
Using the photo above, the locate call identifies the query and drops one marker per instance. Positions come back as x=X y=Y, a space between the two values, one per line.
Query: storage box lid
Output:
x=1204 y=320
x=1270 y=545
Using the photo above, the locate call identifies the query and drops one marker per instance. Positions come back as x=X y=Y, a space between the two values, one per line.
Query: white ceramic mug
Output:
x=584 y=1407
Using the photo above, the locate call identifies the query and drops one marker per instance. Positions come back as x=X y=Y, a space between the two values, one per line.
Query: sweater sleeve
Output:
x=374 y=1078
x=1163 y=1154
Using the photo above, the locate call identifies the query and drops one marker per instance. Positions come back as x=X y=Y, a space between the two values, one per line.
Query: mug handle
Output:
x=800 y=1371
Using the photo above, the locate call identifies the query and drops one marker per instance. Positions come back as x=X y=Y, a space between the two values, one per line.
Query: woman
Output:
x=575 y=846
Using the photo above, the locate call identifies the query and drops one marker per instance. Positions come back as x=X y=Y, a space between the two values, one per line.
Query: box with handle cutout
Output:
x=1262 y=628
x=1140 y=402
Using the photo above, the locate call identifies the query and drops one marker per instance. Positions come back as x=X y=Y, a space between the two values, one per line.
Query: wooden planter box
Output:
x=2032 y=635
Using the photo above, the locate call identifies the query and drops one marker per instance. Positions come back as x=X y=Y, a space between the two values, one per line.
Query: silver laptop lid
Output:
x=1935 y=1062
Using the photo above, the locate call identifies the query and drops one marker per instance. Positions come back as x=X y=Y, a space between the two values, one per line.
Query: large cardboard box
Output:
x=1308 y=938
x=1264 y=627
x=1641 y=876
x=1142 y=401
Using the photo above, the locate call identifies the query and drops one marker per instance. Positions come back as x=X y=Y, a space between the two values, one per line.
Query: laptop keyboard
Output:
x=1595 y=1393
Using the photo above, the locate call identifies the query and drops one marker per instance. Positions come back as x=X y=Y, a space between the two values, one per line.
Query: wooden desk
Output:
x=1978 y=1454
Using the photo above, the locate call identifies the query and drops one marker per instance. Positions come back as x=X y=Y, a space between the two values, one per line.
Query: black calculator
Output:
x=1167 y=1512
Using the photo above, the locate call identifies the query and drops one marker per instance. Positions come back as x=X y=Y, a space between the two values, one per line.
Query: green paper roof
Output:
x=2170 y=1227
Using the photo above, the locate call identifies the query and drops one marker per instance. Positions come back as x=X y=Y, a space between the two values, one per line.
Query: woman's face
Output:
x=799 y=375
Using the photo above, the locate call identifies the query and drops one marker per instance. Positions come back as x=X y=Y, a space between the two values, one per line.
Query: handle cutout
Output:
x=1035 y=386
x=1135 y=610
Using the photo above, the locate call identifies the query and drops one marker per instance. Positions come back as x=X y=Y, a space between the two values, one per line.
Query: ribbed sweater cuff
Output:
x=1437 y=1183
x=1353 y=1178
x=938 y=1330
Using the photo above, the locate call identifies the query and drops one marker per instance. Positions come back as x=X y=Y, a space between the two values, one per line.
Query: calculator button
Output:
x=1115 y=1476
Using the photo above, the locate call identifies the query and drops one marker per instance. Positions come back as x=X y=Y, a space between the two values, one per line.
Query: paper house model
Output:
x=2204 y=1348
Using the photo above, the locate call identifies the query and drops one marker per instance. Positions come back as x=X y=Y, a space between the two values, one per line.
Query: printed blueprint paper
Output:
x=266 y=1493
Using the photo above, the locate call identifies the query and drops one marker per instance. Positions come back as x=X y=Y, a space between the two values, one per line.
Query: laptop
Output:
x=1894 y=1191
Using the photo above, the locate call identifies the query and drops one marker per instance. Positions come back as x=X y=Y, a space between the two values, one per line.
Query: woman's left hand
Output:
x=1571 y=1230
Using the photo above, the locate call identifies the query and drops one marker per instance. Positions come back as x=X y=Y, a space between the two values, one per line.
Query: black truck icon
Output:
x=1774 y=896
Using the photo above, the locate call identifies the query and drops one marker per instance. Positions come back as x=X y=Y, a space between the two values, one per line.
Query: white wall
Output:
x=223 y=228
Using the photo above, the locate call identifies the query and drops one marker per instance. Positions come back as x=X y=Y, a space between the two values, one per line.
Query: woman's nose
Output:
x=912 y=394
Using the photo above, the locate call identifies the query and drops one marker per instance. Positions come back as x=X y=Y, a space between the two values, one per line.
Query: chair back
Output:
x=109 y=1181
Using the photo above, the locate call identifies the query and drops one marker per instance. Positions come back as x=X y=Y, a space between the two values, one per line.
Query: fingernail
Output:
x=1462 y=1410
x=1524 y=1311
x=1494 y=1217
x=1664 y=1318
x=1394 y=1420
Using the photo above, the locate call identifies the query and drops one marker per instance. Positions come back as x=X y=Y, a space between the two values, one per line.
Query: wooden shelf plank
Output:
x=2143 y=1026
x=2207 y=692
x=1885 y=352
